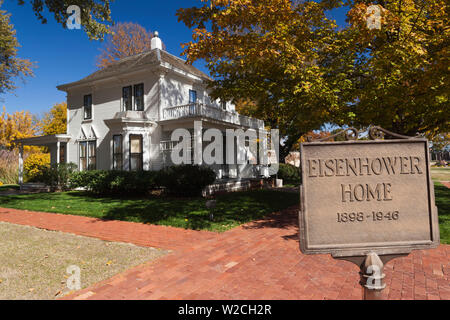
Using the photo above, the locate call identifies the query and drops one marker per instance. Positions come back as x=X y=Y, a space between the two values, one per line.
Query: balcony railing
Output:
x=207 y=111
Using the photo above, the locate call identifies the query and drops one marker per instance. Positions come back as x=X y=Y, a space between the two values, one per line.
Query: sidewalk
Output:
x=260 y=260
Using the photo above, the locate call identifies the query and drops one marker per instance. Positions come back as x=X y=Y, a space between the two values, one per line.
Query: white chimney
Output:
x=156 y=42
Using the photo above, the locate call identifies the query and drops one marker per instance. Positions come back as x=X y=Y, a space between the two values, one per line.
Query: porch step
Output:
x=233 y=185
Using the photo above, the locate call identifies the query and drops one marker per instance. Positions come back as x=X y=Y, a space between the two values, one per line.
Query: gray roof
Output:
x=148 y=58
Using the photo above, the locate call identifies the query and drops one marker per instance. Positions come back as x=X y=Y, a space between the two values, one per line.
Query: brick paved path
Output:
x=259 y=260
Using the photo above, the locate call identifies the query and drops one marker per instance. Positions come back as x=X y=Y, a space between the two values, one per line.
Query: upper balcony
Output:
x=207 y=111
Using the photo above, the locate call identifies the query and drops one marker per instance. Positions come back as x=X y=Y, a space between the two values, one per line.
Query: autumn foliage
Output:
x=14 y=126
x=20 y=125
x=127 y=39
x=34 y=165
x=302 y=70
x=55 y=121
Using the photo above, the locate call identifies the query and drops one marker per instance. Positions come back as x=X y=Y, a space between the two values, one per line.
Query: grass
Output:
x=232 y=209
x=34 y=262
x=442 y=195
x=440 y=174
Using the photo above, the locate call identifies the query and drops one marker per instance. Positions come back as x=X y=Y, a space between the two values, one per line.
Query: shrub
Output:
x=186 y=180
x=34 y=166
x=9 y=167
x=114 y=182
x=58 y=176
x=289 y=173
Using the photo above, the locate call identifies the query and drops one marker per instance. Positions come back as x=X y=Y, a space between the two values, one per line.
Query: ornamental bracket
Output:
x=352 y=134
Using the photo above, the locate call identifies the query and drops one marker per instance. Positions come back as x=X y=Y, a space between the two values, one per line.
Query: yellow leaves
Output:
x=35 y=163
x=55 y=121
x=301 y=71
x=14 y=126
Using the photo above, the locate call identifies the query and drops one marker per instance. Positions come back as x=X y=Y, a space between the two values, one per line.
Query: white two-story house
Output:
x=121 y=117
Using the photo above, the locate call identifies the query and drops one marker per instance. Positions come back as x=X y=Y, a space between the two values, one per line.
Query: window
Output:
x=192 y=96
x=139 y=97
x=223 y=104
x=92 y=148
x=88 y=107
x=88 y=155
x=117 y=152
x=136 y=154
x=127 y=98
x=83 y=156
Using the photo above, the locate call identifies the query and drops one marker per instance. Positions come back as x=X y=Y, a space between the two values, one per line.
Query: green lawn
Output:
x=232 y=209
x=442 y=195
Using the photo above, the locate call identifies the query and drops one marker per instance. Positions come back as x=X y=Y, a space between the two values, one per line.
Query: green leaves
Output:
x=95 y=14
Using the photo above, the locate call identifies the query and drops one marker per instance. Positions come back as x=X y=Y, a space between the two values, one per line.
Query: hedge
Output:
x=184 y=180
x=289 y=173
x=114 y=182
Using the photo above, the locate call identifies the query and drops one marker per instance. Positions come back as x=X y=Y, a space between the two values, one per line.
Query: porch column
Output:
x=58 y=150
x=21 y=164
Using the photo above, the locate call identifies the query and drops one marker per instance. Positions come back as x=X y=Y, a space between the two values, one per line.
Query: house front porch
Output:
x=56 y=144
x=237 y=159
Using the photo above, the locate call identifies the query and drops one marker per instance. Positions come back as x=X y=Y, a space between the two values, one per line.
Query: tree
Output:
x=302 y=71
x=127 y=39
x=94 y=14
x=400 y=71
x=441 y=142
x=18 y=125
x=55 y=121
x=274 y=53
x=11 y=66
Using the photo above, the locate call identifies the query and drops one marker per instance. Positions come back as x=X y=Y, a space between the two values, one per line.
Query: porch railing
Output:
x=208 y=111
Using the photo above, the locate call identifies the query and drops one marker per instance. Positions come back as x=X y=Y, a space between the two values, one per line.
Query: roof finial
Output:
x=156 y=34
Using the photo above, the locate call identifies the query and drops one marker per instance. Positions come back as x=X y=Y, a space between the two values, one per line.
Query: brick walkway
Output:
x=260 y=260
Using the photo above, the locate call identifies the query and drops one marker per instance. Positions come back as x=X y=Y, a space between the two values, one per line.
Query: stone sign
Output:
x=359 y=197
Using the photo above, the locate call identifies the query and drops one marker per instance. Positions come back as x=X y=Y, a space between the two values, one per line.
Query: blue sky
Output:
x=63 y=55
